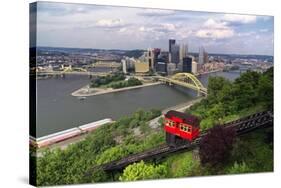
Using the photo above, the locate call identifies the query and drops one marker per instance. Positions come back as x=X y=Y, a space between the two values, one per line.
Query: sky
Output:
x=113 y=27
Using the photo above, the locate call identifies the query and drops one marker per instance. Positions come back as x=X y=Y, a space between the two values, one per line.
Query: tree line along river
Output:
x=57 y=110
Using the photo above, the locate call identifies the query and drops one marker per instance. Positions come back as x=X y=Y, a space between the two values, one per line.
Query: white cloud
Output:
x=126 y=28
x=211 y=23
x=215 y=30
x=158 y=28
x=152 y=32
x=215 y=33
x=244 y=19
x=145 y=29
x=183 y=33
x=168 y=26
x=109 y=23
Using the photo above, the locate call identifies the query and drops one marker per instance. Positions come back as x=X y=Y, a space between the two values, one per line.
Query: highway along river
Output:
x=57 y=110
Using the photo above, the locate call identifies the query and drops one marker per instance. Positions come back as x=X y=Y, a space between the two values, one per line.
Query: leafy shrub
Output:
x=141 y=171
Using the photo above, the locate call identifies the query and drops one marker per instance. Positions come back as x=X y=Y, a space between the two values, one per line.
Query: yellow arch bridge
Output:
x=187 y=80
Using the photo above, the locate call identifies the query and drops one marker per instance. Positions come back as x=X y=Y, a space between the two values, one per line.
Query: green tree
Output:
x=141 y=171
x=134 y=123
x=133 y=81
x=103 y=80
x=217 y=112
x=181 y=165
x=254 y=151
x=265 y=88
x=245 y=89
x=227 y=99
x=98 y=175
x=207 y=123
x=69 y=166
x=215 y=85
x=111 y=154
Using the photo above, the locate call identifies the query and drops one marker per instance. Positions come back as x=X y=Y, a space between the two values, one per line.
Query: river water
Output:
x=57 y=110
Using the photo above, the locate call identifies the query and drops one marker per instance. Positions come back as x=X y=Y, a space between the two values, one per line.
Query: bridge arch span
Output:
x=189 y=80
x=180 y=76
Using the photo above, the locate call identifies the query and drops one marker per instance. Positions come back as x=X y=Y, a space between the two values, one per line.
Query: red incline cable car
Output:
x=180 y=127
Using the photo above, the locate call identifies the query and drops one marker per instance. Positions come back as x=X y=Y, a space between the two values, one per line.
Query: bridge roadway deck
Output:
x=242 y=126
x=200 y=89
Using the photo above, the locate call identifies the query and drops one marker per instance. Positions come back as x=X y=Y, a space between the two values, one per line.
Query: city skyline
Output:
x=113 y=27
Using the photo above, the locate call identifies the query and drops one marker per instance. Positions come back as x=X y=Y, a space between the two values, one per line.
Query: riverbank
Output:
x=183 y=106
x=86 y=91
x=209 y=72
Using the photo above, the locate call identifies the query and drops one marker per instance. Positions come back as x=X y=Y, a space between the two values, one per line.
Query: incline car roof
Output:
x=187 y=118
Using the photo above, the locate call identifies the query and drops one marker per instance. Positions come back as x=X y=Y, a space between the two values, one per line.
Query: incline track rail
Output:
x=241 y=126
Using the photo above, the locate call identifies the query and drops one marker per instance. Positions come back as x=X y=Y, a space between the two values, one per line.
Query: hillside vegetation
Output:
x=226 y=101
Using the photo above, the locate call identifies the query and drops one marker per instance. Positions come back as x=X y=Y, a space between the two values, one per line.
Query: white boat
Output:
x=81 y=98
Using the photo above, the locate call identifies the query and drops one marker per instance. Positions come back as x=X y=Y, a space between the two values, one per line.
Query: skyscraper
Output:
x=201 y=55
x=183 y=51
x=161 y=62
x=124 y=66
x=150 y=58
x=156 y=53
x=175 y=54
x=171 y=43
x=161 y=66
x=187 y=64
x=206 y=58
x=171 y=68
x=194 y=67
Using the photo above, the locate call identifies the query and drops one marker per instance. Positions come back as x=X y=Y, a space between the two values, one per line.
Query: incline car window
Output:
x=169 y=123
x=185 y=128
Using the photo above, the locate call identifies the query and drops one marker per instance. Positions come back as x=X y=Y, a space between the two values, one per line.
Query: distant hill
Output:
x=137 y=53
x=134 y=53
